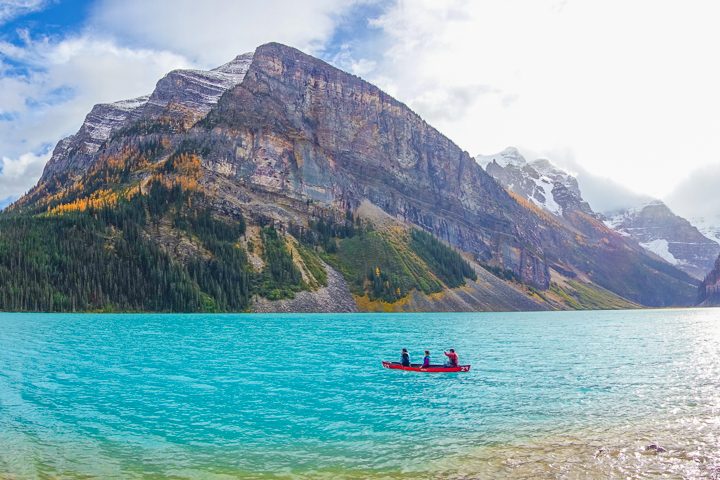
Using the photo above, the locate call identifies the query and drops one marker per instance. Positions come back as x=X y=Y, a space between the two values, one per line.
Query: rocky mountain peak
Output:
x=540 y=181
x=510 y=156
x=659 y=230
x=183 y=95
x=236 y=66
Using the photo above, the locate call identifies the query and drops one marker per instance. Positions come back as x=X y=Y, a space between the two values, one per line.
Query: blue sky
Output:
x=46 y=17
x=614 y=89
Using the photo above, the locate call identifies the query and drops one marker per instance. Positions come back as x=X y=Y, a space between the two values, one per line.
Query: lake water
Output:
x=550 y=395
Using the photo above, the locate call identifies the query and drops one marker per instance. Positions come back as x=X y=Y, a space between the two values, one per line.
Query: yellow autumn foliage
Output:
x=98 y=199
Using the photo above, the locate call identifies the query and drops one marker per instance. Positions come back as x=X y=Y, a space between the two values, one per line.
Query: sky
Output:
x=626 y=91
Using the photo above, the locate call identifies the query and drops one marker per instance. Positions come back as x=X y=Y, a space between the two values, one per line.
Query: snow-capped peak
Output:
x=708 y=226
x=540 y=181
x=509 y=156
x=130 y=104
x=237 y=66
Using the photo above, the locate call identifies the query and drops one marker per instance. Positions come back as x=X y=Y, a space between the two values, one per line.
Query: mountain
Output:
x=669 y=236
x=652 y=224
x=708 y=225
x=539 y=181
x=278 y=182
x=183 y=96
x=709 y=290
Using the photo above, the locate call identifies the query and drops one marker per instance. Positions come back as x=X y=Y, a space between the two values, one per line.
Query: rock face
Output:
x=709 y=290
x=669 y=236
x=76 y=152
x=281 y=135
x=299 y=128
x=188 y=95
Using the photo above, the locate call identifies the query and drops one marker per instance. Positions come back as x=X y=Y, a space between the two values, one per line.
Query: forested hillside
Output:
x=114 y=256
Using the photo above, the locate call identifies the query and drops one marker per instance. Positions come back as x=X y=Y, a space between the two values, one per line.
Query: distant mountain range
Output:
x=651 y=224
x=277 y=182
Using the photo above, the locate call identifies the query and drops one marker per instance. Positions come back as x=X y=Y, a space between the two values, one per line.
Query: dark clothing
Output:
x=405 y=359
x=426 y=361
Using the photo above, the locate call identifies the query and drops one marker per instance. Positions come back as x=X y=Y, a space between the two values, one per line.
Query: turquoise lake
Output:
x=550 y=395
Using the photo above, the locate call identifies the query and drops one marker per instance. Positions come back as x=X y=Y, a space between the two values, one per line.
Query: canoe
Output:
x=416 y=367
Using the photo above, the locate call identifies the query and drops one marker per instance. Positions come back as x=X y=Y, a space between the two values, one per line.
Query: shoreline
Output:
x=619 y=451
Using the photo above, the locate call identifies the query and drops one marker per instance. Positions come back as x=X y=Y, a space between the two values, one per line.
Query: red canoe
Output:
x=416 y=367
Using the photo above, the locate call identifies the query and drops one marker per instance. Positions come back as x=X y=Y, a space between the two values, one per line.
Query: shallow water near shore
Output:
x=566 y=394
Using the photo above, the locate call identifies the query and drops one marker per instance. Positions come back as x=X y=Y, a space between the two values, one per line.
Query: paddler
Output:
x=452 y=360
x=426 y=359
x=405 y=358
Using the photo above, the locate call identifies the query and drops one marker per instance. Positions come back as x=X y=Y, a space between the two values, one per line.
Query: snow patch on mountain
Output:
x=708 y=226
x=661 y=248
x=546 y=185
x=131 y=104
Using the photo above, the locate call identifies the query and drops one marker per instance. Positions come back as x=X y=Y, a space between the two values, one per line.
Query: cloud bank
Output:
x=627 y=87
x=697 y=194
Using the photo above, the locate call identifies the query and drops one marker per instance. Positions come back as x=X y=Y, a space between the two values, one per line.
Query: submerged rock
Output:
x=653 y=447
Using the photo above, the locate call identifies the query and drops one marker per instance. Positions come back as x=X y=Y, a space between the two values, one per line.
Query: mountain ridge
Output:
x=652 y=224
x=296 y=147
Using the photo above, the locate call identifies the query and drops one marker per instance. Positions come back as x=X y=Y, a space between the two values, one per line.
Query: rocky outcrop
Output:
x=188 y=95
x=74 y=154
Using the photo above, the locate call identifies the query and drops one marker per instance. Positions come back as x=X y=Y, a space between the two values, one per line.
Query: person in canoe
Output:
x=405 y=358
x=452 y=360
x=426 y=360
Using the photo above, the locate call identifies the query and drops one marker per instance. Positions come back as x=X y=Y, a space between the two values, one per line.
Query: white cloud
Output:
x=65 y=80
x=20 y=174
x=10 y=9
x=212 y=32
x=628 y=87
x=697 y=194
